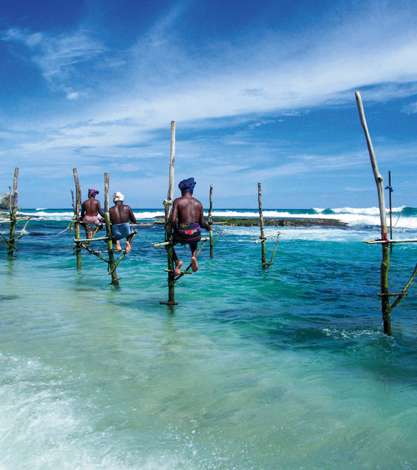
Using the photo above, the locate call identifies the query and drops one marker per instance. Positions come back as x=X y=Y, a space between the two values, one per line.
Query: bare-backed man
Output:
x=91 y=214
x=187 y=220
x=121 y=216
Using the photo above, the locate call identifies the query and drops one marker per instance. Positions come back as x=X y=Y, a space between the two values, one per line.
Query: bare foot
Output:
x=178 y=266
x=128 y=247
x=118 y=246
x=194 y=264
x=89 y=235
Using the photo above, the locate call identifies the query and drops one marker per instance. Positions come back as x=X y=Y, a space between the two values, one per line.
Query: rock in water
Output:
x=4 y=201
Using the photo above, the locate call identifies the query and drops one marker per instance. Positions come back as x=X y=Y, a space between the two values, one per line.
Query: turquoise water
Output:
x=252 y=370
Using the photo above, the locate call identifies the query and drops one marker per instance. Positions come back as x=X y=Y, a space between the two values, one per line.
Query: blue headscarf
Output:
x=187 y=185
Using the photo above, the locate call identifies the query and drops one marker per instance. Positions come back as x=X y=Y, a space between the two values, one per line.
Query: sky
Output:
x=262 y=91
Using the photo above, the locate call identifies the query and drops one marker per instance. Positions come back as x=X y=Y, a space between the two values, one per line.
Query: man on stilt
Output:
x=187 y=221
x=121 y=216
x=91 y=214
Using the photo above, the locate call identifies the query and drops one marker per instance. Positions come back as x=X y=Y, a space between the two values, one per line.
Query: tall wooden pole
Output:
x=13 y=213
x=210 y=221
x=385 y=299
x=390 y=191
x=261 y=227
x=112 y=261
x=168 y=224
x=77 y=212
x=379 y=181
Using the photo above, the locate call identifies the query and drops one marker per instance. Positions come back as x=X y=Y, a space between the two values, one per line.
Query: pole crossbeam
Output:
x=391 y=242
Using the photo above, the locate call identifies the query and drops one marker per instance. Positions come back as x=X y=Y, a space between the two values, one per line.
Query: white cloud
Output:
x=58 y=57
x=22 y=36
x=411 y=108
x=73 y=95
x=223 y=85
x=165 y=81
x=320 y=76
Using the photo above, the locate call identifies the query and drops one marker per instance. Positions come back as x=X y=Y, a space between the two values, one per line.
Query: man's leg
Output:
x=87 y=232
x=95 y=230
x=194 y=262
x=118 y=245
x=129 y=243
x=177 y=261
x=117 y=236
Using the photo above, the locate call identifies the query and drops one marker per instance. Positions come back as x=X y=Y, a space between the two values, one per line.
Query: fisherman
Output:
x=91 y=214
x=187 y=221
x=121 y=215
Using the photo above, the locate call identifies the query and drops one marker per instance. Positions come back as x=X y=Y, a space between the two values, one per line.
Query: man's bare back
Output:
x=122 y=214
x=91 y=207
x=188 y=210
x=90 y=214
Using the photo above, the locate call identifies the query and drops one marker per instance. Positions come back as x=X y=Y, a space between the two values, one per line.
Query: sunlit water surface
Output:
x=252 y=370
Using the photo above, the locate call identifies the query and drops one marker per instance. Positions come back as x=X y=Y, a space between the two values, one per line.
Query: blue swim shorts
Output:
x=120 y=231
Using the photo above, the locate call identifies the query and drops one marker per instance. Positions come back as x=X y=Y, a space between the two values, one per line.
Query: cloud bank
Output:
x=123 y=121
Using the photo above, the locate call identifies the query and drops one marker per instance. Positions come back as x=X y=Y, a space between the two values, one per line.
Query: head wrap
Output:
x=187 y=185
x=92 y=192
x=118 y=197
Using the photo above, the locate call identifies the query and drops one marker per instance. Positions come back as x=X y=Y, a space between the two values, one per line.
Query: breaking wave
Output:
x=404 y=217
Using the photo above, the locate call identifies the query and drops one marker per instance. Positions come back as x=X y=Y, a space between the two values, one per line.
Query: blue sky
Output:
x=261 y=91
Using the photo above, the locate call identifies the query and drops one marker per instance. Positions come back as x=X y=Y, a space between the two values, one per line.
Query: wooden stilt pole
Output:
x=168 y=225
x=77 y=212
x=261 y=228
x=379 y=181
x=13 y=213
x=112 y=260
x=385 y=298
x=390 y=191
x=210 y=221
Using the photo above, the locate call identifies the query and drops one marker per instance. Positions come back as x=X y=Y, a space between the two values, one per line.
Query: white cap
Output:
x=118 y=197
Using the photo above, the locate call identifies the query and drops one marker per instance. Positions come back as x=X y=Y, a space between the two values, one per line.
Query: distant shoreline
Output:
x=273 y=222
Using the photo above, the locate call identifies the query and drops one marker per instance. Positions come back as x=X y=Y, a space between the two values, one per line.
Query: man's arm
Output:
x=203 y=223
x=132 y=217
x=174 y=214
x=82 y=210
x=99 y=209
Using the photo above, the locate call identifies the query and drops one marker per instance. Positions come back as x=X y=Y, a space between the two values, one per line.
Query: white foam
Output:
x=313 y=233
x=149 y=214
x=358 y=219
x=352 y=216
x=303 y=233
x=363 y=210
x=42 y=427
x=43 y=215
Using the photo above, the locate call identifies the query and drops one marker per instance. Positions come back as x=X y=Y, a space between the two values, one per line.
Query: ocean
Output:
x=286 y=368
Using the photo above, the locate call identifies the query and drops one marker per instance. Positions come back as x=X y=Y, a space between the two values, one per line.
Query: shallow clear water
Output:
x=253 y=370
